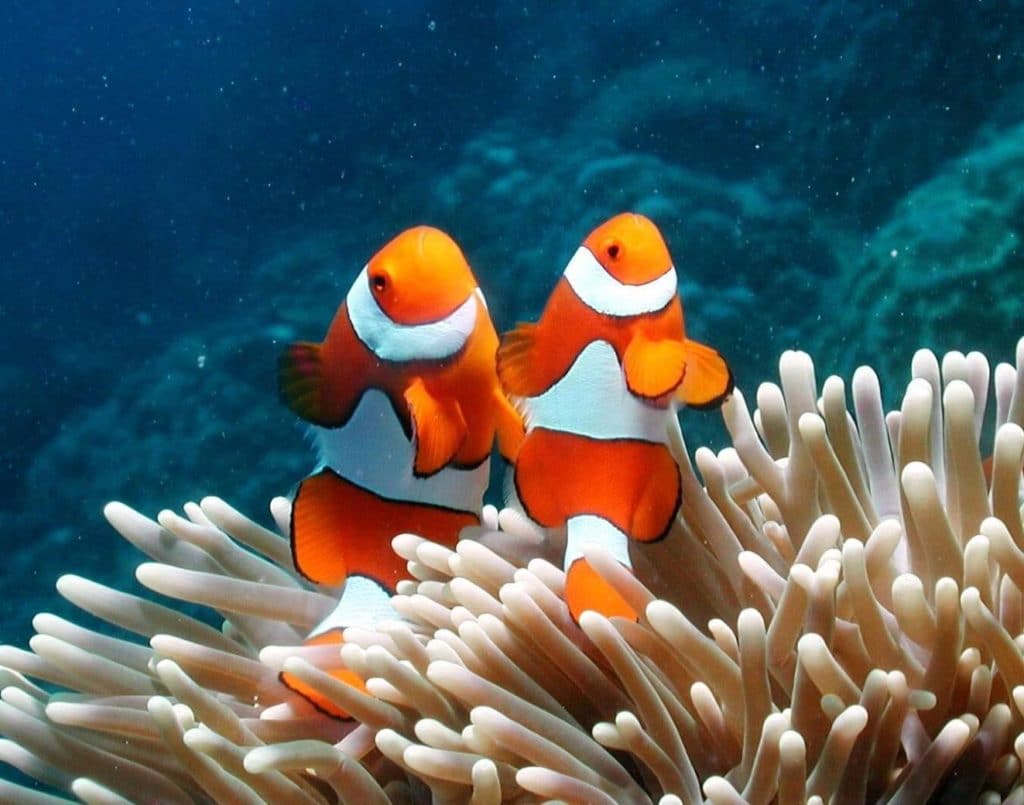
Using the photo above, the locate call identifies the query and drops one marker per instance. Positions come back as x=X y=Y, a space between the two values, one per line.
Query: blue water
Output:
x=185 y=188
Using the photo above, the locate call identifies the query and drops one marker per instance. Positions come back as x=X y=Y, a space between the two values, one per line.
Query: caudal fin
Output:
x=325 y=705
x=586 y=590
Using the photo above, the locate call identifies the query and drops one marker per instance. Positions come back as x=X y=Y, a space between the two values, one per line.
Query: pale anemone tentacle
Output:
x=837 y=615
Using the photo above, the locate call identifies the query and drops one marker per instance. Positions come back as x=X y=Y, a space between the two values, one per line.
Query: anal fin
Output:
x=439 y=428
x=318 y=518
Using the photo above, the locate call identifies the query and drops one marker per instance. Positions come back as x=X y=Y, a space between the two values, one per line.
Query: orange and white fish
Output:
x=598 y=379
x=404 y=402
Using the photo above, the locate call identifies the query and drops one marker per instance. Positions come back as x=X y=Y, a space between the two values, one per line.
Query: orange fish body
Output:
x=404 y=404
x=599 y=378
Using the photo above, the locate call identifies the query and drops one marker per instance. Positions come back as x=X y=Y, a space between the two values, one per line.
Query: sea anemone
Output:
x=837 y=615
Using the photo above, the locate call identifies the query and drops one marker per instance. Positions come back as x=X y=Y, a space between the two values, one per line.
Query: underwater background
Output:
x=187 y=188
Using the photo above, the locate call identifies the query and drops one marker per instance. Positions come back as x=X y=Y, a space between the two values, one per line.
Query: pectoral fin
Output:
x=653 y=368
x=300 y=381
x=517 y=367
x=708 y=381
x=509 y=426
x=439 y=428
x=323 y=383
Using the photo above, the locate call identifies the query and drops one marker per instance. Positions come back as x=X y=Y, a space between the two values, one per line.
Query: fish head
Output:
x=419 y=277
x=630 y=248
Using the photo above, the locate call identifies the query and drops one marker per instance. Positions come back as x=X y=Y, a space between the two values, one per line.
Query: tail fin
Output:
x=584 y=587
x=586 y=590
x=365 y=603
x=314 y=697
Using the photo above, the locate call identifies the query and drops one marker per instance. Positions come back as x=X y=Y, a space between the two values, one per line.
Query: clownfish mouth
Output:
x=601 y=292
x=391 y=341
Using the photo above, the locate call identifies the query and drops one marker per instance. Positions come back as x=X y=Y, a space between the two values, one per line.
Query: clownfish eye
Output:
x=613 y=250
x=380 y=282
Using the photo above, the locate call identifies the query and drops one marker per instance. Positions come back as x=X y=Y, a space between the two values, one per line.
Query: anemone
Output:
x=837 y=615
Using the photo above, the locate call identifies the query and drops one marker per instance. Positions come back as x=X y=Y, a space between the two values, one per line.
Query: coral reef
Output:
x=201 y=413
x=849 y=104
x=944 y=269
x=838 y=614
x=690 y=111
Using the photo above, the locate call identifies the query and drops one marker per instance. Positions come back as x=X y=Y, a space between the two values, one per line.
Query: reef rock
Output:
x=945 y=269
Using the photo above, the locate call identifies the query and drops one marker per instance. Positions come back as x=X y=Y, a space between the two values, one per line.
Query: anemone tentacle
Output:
x=838 y=613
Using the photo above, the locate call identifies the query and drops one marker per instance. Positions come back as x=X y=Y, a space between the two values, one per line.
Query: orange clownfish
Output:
x=404 y=402
x=598 y=379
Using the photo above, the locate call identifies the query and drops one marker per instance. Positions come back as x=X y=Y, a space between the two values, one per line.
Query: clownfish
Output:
x=598 y=379
x=404 y=402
